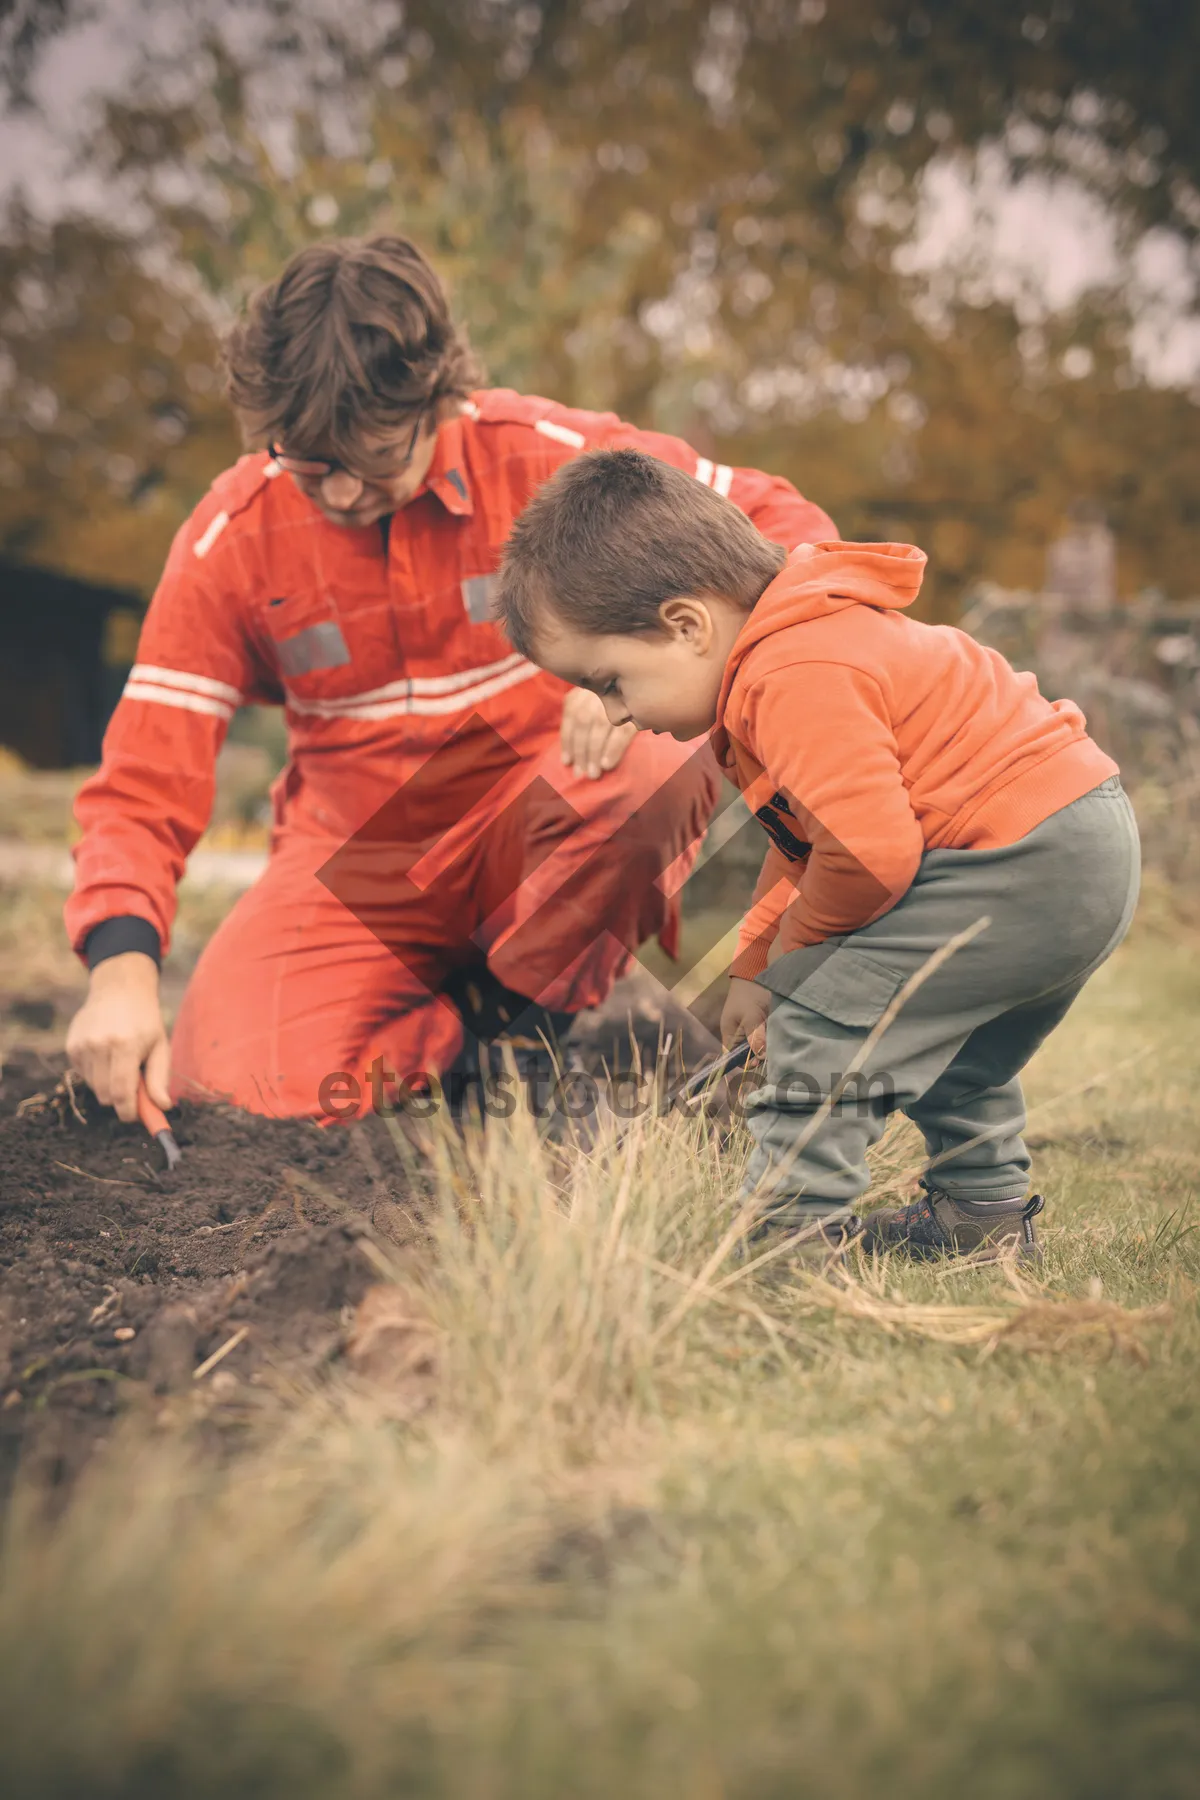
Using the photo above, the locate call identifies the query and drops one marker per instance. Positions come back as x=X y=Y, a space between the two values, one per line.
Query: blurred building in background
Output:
x=66 y=647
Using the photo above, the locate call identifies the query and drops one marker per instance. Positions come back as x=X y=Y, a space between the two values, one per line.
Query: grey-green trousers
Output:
x=1060 y=900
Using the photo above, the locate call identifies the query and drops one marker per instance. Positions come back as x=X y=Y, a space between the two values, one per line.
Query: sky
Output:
x=1041 y=243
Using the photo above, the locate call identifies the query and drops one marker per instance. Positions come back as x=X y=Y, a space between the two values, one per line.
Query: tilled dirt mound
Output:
x=119 y=1283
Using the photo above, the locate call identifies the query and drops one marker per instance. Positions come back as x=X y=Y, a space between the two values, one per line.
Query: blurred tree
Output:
x=687 y=211
x=111 y=429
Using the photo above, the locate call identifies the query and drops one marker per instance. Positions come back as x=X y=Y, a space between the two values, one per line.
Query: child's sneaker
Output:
x=818 y=1240
x=936 y=1225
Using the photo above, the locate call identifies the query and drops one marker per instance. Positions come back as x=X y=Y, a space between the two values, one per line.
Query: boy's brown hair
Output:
x=351 y=340
x=613 y=536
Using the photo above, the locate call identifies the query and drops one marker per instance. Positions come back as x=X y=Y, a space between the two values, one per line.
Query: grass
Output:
x=910 y=1532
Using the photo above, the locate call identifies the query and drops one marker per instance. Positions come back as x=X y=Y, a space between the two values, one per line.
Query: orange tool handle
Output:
x=154 y=1120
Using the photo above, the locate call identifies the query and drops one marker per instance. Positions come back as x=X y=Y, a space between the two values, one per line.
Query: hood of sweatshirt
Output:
x=820 y=579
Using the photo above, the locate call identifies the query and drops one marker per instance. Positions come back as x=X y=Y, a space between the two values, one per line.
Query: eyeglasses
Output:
x=317 y=471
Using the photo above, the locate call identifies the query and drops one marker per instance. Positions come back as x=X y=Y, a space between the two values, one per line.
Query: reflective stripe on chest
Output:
x=429 y=695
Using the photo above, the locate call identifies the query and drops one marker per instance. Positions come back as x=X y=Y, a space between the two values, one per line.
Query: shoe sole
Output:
x=978 y=1257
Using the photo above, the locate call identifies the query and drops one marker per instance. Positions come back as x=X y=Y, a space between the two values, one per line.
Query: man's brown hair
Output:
x=353 y=338
x=613 y=536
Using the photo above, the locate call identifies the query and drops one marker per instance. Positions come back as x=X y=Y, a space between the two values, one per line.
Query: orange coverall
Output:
x=424 y=818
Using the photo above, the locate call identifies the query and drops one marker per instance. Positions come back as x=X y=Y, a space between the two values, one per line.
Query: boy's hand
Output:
x=590 y=745
x=744 y=1015
x=119 y=1030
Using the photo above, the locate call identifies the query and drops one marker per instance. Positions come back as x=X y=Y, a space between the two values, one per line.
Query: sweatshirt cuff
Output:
x=113 y=937
x=749 y=963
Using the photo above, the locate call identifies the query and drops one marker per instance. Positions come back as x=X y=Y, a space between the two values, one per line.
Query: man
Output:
x=451 y=821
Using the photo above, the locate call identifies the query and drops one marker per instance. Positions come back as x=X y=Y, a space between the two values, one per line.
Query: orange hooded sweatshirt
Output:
x=862 y=738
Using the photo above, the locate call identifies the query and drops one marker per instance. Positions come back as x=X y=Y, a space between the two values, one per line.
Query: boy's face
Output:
x=667 y=680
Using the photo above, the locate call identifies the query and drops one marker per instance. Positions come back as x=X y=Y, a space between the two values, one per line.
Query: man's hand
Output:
x=744 y=1015
x=119 y=1030
x=590 y=745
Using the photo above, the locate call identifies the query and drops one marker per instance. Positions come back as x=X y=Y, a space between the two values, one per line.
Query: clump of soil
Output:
x=118 y=1281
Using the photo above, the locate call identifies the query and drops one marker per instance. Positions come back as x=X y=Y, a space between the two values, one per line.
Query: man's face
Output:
x=385 y=474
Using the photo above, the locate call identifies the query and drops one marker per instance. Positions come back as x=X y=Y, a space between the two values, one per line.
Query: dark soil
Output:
x=118 y=1281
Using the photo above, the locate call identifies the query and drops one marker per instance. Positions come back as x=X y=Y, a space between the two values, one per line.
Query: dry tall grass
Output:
x=914 y=1530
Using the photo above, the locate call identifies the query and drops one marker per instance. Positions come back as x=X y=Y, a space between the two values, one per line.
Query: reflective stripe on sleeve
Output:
x=181 y=678
x=714 y=475
x=207 y=539
x=164 y=696
x=562 y=434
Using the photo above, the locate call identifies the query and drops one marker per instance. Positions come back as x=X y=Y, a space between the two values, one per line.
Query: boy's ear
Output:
x=688 y=618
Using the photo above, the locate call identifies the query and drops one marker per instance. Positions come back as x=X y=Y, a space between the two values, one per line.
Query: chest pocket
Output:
x=307 y=639
x=313 y=647
x=478 y=596
x=773 y=816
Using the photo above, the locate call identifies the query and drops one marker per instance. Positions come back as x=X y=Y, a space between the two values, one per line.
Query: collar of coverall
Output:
x=447 y=474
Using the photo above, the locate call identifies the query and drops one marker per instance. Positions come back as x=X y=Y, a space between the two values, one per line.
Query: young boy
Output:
x=912 y=785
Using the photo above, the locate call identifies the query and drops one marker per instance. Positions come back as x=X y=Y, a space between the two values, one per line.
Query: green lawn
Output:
x=757 y=1537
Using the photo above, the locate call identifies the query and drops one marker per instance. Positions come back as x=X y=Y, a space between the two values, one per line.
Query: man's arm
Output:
x=144 y=809
x=779 y=511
